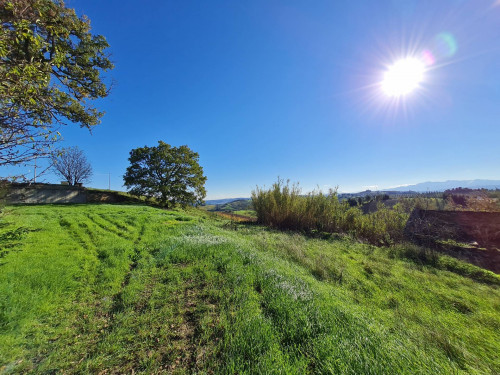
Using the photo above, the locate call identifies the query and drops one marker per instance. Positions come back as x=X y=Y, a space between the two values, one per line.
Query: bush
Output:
x=284 y=207
x=4 y=189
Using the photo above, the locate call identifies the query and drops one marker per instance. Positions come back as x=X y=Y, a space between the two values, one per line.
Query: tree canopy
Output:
x=70 y=163
x=172 y=175
x=51 y=68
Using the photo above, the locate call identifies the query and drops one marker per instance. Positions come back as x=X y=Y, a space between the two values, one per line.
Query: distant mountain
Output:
x=224 y=201
x=422 y=187
x=451 y=184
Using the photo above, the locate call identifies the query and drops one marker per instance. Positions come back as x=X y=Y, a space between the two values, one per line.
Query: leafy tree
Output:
x=50 y=70
x=353 y=202
x=71 y=164
x=170 y=174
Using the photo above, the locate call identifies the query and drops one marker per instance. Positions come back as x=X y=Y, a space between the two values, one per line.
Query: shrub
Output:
x=284 y=207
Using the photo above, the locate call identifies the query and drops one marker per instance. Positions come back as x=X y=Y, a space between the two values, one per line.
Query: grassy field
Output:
x=249 y=213
x=208 y=207
x=134 y=289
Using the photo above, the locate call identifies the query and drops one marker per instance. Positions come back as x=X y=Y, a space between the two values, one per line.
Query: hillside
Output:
x=450 y=184
x=134 y=289
x=237 y=205
x=405 y=190
x=223 y=201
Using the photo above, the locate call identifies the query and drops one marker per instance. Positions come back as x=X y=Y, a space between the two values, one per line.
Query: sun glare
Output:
x=403 y=77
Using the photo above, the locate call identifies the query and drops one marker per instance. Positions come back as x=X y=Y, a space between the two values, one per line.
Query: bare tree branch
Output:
x=71 y=164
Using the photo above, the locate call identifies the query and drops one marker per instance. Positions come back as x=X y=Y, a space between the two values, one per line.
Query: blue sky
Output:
x=264 y=88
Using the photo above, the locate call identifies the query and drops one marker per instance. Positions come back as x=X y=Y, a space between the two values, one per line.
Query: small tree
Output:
x=170 y=174
x=71 y=164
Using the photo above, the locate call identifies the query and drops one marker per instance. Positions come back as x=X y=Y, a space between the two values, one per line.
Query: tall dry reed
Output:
x=283 y=206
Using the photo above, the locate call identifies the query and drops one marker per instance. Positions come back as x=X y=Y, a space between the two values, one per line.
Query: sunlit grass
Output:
x=86 y=288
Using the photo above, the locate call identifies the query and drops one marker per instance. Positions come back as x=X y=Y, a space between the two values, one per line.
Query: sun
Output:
x=403 y=77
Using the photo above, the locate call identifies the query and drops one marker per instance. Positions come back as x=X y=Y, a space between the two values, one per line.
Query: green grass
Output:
x=89 y=288
x=208 y=207
x=105 y=196
x=249 y=213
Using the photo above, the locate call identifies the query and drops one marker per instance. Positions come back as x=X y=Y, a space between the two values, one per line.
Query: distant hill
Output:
x=237 y=205
x=224 y=201
x=422 y=187
x=450 y=184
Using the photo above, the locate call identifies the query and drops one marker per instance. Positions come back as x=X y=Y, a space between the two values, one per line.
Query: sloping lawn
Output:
x=122 y=289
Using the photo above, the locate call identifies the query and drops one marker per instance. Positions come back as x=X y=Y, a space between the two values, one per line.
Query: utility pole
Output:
x=109 y=180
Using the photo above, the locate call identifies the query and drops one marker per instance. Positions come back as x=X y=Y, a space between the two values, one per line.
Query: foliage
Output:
x=464 y=199
x=112 y=196
x=249 y=213
x=4 y=189
x=132 y=289
x=172 y=175
x=494 y=195
x=71 y=164
x=283 y=206
x=353 y=202
x=51 y=68
x=237 y=205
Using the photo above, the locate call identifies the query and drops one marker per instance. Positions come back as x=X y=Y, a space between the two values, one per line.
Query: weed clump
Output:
x=284 y=207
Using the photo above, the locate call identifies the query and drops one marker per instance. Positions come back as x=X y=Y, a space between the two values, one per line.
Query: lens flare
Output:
x=445 y=45
x=428 y=58
x=403 y=77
